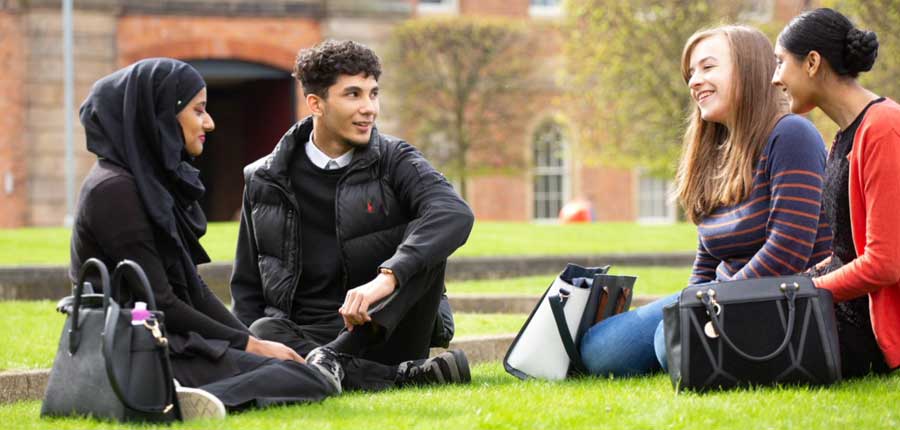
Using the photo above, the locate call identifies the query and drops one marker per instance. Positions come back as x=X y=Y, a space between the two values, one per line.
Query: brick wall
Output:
x=270 y=41
x=44 y=120
x=507 y=8
x=784 y=10
x=13 y=166
x=612 y=192
x=500 y=197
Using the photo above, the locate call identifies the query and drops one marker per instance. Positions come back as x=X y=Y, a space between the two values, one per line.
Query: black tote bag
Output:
x=778 y=330
x=106 y=367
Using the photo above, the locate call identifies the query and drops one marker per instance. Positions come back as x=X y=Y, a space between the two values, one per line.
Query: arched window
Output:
x=549 y=170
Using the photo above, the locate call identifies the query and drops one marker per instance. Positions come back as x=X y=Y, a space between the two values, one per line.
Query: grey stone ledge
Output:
x=50 y=282
x=509 y=303
x=23 y=385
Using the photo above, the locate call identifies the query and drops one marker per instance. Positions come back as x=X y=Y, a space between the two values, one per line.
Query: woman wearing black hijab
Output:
x=140 y=202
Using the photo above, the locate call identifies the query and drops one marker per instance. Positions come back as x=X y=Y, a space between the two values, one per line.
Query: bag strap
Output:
x=109 y=338
x=112 y=309
x=714 y=309
x=74 y=329
x=557 y=302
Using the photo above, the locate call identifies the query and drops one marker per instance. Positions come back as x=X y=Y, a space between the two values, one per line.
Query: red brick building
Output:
x=246 y=49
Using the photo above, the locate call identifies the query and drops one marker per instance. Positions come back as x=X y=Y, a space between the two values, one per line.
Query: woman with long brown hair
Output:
x=750 y=178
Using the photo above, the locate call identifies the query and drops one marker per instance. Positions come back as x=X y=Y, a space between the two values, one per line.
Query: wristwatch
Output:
x=385 y=270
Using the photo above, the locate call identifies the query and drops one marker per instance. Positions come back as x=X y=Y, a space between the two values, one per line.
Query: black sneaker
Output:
x=326 y=361
x=448 y=367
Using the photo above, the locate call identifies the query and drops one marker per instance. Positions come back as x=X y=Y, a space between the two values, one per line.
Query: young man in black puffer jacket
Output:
x=345 y=234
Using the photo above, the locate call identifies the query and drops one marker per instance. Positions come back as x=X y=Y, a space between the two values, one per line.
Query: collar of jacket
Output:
x=277 y=164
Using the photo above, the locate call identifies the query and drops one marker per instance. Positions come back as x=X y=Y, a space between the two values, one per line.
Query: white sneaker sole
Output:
x=197 y=404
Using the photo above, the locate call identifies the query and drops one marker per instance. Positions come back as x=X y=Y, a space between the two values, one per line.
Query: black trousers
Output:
x=406 y=318
x=860 y=353
x=242 y=380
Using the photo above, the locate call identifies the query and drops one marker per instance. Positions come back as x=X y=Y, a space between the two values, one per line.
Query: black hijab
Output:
x=130 y=120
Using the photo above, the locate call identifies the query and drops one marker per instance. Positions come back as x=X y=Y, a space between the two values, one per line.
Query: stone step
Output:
x=481 y=349
x=17 y=385
x=48 y=282
x=509 y=303
x=21 y=385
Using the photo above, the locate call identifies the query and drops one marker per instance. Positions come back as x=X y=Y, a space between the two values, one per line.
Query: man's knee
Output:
x=270 y=328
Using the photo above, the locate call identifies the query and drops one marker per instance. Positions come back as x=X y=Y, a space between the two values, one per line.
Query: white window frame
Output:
x=670 y=217
x=444 y=7
x=545 y=11
x=758 y=11
x=561 y=171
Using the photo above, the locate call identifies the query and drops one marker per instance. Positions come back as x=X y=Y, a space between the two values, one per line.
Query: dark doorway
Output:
x=252 y=106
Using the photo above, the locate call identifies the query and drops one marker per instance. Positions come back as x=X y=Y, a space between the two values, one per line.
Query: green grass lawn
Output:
x=30 y=334
x=651 y=281
x=496 y=400
x=51 y=245
x=31 y=328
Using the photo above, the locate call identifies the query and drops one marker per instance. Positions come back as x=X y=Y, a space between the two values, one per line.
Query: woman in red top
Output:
x=819 y=56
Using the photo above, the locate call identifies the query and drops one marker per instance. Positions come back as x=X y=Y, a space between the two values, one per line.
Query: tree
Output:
x=625 y=89
x=882 y=17
x=460 y=85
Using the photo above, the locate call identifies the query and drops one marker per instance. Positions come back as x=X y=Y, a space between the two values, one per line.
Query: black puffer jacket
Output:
x=392 y=210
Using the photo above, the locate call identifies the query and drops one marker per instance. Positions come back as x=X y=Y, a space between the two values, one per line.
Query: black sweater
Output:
x=111 y=224
x=320 y=291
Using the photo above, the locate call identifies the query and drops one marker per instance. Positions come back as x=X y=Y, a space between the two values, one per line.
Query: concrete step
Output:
x=21 y=385
x=17 y=385
x=49 y=282
x=481 y=349
x=509 y=303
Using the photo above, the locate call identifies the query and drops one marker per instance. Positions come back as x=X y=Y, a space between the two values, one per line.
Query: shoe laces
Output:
x=426 y=371
x=327 y=359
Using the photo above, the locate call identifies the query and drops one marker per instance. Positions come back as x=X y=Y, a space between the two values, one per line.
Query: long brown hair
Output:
x=716 y=167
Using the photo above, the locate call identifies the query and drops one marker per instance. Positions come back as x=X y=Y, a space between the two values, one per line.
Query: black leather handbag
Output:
x=763 y=331
x=105 y=366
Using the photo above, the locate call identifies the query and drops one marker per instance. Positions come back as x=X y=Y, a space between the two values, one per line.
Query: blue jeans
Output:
x=627 y=344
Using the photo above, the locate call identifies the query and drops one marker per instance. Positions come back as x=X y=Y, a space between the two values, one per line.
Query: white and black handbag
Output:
x=547 y=345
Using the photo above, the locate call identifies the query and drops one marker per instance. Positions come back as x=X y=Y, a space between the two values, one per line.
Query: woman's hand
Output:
x=271 y=349
x=820 y=266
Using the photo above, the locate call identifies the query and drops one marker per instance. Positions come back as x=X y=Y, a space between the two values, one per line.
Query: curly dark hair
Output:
x=319 y=67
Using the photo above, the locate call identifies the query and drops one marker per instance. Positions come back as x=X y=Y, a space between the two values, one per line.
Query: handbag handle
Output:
x=133 y=271
x=557 y=303
x=711 y=304
x=91 y=263
x=133 y=274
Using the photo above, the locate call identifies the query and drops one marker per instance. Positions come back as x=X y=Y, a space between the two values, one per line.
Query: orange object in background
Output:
x=576 y=211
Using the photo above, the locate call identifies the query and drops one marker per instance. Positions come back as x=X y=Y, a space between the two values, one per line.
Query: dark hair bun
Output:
x=861 y=50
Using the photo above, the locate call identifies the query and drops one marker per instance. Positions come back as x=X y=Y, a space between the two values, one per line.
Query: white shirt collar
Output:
x=320 y=159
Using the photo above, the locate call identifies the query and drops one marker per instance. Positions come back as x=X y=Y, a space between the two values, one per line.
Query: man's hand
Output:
x=355 y=310
x=271 y=349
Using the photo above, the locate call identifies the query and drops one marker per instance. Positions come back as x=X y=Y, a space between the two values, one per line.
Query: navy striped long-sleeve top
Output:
x=779 y=229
